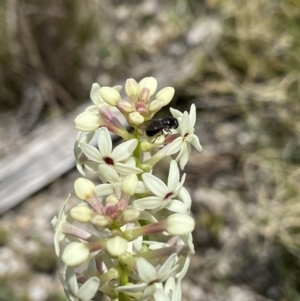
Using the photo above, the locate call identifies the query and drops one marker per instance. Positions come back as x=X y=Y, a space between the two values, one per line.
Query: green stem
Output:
x=123 y=281
x=122 y=297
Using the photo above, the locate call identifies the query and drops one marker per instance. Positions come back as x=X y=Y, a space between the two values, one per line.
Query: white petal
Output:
x=155 y=185
x=185 y=124
x=160 y=295
x=104 y=142
x=145 y=270
x=151 y=202
x=61 y=213
x=192 y=116
x=184 y=263
x=176 y=113
x=124 y=150
x=148 y=217
x=89 y=165
x=92 y=109
x=80 y=169
x=57 y=239
x=177 y=292
x=175 y=146
x=137 y=244
x=71 y=280
x=91 y=268
x=68 y=293
x=91 y=152
x=173 y=178
x=130 y=162
x=177 y=206
x=124 y=169
x=88 y=290
x=166 y=267
x=104 y=189
x=179 y=186
x=132 y=288
x=149 y=291
x=95 y=94
x=170 y=286
x=182 y=151
x=108 y=174
x=118 y=88
x=141 y=187
x=185 y=158
x=185 y=197
x=196 y=143
x=171 y=272
x=188 y=240
x=153 y=245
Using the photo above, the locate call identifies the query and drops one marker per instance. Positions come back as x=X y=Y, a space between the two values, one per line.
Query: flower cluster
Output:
x=130 y=236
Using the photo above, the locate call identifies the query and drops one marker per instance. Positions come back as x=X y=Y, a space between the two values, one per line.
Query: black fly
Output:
x=156 y=126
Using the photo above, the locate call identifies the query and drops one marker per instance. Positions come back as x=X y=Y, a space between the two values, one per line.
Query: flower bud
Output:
x=99 y=220
x=84 y=188
x=132 y=88
x=145 y=146
x=126 y=106
x=116 y=246
x=135 y=118
x=179 y=224
x=110 y=95
x=146 y=167
x=81 y=213
x=155 y=105
x=112 y=200
x=166 y=94
x=75 y=254
x=129 y=184
x=131 y=215
x=87 y=121
x=159 y=140
x=149 y=83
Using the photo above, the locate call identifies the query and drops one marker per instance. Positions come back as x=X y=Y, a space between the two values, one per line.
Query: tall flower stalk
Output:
x=129 y=237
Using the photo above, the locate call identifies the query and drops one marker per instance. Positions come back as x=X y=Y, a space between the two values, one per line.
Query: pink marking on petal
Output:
x=121 y=205
x=144 y=96
x=110 y=211
x=110 y=117
x=170 y=138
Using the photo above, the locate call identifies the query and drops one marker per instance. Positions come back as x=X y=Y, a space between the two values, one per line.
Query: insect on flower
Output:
x=157 y=126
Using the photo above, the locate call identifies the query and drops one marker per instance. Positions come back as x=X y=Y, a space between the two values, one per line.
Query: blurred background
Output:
x=238 y=61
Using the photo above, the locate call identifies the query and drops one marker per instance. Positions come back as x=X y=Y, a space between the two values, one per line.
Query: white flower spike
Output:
x=140 y=243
